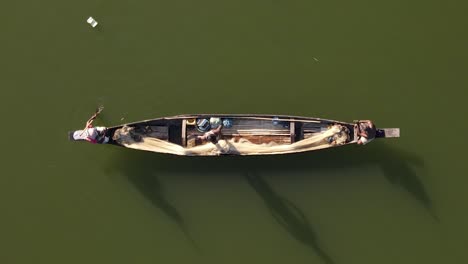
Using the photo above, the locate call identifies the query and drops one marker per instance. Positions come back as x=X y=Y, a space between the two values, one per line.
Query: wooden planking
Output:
x=260 y=132
x=191 y=131
x=255 y=127
x=292 y=129
x=160 y=132
x=184 y=132
x=285 y=119
x=391 y=132
x=256 y=131
x=305 y=127
x=310 y=129
x=308 y=135
x=264 y=139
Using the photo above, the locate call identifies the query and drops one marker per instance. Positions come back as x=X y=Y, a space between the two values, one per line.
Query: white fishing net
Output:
x=126 y=137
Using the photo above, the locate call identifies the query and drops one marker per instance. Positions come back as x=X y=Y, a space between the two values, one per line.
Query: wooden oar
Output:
x=91 y=119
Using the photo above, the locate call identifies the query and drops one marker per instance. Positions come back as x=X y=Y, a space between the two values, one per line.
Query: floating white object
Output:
x=92 y=22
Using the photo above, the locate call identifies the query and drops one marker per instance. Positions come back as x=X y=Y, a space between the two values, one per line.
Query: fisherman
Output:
x=365 y=131
x=95 y=135
x=212 y=135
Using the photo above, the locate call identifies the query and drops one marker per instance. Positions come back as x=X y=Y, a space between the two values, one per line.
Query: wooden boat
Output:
x=240 y=134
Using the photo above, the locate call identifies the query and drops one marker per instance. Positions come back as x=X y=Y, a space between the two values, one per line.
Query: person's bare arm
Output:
x=218 y=130
x=358 y=129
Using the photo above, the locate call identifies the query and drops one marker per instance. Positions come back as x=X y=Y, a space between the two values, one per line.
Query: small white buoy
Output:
x=92 y=22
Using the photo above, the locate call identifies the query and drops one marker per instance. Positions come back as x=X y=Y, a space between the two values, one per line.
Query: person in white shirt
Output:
x=95 y=135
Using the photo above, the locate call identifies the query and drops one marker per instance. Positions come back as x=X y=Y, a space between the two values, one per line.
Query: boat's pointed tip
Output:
x=70 y=135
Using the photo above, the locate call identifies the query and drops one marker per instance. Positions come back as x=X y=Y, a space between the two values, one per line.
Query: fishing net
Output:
x=132 y=138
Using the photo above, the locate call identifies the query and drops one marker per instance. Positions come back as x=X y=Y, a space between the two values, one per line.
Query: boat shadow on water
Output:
x=139 y=171
x=288 y=215
x=397 y=166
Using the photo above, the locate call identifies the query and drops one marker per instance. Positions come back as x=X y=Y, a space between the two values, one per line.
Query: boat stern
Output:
x=388 y=133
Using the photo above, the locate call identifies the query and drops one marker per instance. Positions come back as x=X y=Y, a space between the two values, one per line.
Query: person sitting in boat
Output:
x=212 y=135
x=365 y=131
x=95 y=135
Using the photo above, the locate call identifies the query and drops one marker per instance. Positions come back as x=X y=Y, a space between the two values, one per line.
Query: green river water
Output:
x=400 y=63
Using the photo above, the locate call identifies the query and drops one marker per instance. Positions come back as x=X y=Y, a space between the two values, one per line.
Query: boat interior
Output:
x=258 y=130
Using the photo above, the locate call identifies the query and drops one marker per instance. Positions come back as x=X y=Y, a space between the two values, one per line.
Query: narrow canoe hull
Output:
x=241 y=135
